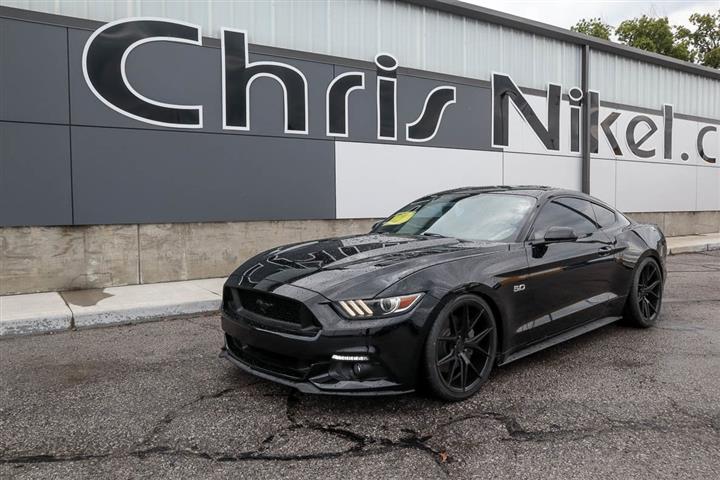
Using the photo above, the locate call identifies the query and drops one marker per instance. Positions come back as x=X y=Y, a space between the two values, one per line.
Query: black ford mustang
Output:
x=441 y=291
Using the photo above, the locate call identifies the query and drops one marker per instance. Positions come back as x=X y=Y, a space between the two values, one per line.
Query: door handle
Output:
x=606 y=250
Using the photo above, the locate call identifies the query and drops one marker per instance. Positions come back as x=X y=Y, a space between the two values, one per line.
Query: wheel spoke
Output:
x=477 y=372
x=478 y=348
x=463 y=373
x=458 y=363
x=653 y=285
x=476 y=319
x=454 y=324
x=447 y=338
x=648 y=312
x=654 y=273
x=476 y=339
x=651 y=307
x=445 y=360
x=451 y=376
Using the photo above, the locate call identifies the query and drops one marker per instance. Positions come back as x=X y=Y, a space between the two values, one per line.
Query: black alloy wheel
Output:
x=460 y=349
x=645 y=299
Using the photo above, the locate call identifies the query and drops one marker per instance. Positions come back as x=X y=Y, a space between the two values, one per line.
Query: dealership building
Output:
x=153 y=141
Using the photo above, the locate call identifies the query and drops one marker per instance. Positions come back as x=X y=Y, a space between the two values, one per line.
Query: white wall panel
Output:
x=654 y=187
x=708 y=188
x=602 y=179
x=555 y=171
x=374 y=180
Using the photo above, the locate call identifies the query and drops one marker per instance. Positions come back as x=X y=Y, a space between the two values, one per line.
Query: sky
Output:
x=565 y=13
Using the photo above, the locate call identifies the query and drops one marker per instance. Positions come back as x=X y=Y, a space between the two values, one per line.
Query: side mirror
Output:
x=560 y=234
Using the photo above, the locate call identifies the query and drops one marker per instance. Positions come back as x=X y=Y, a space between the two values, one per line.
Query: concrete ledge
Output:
x=33 y=313
x=693 y=243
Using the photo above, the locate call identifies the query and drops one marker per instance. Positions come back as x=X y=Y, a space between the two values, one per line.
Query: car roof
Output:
x=540 y=192
x=531 y=190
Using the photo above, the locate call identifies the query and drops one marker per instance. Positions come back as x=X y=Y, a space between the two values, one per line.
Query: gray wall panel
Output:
x=33 y=72
x=34 y=174
x=141 y=176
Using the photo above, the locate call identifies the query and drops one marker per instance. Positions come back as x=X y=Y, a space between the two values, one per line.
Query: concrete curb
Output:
x=693 y=243
x=33 y=313
x=53 y=312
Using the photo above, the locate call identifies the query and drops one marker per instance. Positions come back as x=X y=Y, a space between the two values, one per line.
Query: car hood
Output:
x=343 y=267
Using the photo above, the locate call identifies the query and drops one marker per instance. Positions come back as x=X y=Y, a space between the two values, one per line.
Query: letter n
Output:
x=503 y=91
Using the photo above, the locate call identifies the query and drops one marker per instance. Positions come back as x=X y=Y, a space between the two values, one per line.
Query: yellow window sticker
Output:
x=399 y=218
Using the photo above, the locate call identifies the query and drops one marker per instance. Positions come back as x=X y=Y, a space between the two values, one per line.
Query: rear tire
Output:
x=644 y=301
x=460 y=348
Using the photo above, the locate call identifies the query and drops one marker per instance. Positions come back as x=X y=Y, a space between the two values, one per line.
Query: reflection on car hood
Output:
x=331 y=266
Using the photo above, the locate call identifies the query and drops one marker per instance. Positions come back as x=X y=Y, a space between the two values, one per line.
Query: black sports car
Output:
x=441 y=291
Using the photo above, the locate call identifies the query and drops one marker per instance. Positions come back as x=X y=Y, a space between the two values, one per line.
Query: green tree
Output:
x=703 y=38
x=654 y=35
x=594 y=27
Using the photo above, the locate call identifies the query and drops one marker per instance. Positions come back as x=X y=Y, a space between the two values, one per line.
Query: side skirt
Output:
x=567 y=335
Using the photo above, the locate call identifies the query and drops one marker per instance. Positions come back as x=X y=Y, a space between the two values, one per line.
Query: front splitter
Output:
x=306 y=387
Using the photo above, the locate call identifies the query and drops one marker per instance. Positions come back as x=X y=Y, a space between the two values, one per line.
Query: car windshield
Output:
x=485 y=216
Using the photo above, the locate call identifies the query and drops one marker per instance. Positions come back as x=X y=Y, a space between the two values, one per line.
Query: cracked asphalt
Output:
x=154 y=401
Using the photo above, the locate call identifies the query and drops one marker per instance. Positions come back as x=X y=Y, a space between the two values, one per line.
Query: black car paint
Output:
x=565 y=286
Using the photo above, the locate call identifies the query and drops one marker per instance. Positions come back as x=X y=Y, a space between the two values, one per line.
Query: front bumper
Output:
x=393 y=348
x=365 y=388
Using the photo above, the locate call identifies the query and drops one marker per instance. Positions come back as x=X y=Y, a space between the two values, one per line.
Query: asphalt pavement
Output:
x=153 y=400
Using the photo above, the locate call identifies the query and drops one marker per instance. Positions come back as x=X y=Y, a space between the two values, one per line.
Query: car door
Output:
x=621 y=272
x=568 y=280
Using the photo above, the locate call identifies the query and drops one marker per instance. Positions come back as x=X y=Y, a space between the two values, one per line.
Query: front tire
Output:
x=644 y=301
x=460 y=348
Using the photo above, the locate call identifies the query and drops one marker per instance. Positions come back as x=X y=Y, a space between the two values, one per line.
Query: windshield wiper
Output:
x=431 y=234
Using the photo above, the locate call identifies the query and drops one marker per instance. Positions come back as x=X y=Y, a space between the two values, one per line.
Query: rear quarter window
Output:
x=605 y=217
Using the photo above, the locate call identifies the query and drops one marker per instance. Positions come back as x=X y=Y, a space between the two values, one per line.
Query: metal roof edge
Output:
x=500 y=18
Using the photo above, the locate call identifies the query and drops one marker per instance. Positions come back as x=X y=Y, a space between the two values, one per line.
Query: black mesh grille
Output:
x=269 y=361
x=270 y=310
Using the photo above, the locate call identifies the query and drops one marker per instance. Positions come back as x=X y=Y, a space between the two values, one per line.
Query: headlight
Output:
x=378 y=307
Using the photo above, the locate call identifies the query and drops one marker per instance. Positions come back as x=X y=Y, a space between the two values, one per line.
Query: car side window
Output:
x=605 y=217
x=566 y=212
